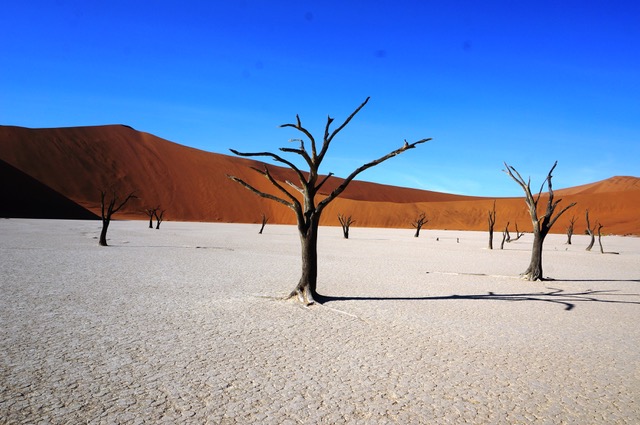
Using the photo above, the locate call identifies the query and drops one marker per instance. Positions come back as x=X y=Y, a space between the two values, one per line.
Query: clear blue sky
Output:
x=523 y=82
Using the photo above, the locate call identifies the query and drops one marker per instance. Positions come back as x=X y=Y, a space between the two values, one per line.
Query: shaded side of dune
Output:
x=25 y=197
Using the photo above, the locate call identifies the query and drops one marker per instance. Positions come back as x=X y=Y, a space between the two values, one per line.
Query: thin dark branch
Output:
x=327 y=140
x=275 y=157
x=337 y=191
x=261 y=193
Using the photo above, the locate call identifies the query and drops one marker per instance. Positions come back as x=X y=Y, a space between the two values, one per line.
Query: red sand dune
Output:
x=191 y=185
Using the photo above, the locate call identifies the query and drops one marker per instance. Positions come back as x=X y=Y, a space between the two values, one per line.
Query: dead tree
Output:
x=505 y=235
x=307 y=211
x=600 y=226
x=572 y=222
x=345 y=222
x=264 y=223
x=159 y=217
x=110 y=210
x=590 y=231
x=519 y=234
x=151 y=212
x=420 y=221
x=542 y=224
x=492 y=222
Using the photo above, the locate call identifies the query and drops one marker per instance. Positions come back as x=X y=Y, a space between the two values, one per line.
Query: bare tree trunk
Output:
x=159 y=218
x=305 y=291
x=103 y=233
x=534 y=271
x=505 y=235
x=492 y=222
x=590 y=232
x=600 y=226
x=572 y=222
x=264 y=223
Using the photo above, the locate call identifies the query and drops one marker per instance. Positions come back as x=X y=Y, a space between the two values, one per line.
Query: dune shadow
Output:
x=554 y=296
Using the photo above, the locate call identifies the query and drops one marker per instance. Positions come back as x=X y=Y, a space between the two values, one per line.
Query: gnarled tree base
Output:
x=302 y=294
x=532 y=276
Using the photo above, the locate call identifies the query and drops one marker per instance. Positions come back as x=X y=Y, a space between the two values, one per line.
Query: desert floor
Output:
x=184 y=324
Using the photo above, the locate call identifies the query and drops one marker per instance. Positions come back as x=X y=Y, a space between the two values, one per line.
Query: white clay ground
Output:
x=182 y=325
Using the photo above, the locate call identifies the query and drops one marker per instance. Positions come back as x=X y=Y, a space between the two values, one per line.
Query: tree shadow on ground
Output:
x=554 y=295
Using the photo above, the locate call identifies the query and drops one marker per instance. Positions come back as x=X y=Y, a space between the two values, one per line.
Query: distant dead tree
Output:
x=418 y=223
x=541 y=224
x=492 y=222
x=159 y=217
x=307 y=211
x=151 y=212
x=345 y=222
x=265 y=219
x=590 y=231
x=519 y=234
x=600 y=226
x=505 y=235
x=110 y=210
x=572 y=222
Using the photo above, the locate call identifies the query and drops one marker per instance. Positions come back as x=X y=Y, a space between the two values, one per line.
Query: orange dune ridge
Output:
x=192 y=185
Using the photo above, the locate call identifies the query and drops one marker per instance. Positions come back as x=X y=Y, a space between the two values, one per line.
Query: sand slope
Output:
x=192 y=186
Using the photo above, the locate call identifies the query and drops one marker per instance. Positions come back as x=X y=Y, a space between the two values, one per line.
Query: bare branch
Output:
x=273 y=181
x=261 y=193
x=275 y=157
x=552 y=221
x=337 y=191
x=327 y=140
x=298 y=126
x=130 y=196
x=299 y=189
x=323 y=181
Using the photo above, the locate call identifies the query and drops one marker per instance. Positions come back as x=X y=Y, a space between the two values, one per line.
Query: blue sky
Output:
x=523 y=82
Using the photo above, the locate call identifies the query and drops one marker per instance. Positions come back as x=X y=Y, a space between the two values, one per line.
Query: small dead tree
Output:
x=110 y=210
x=505 y=235
x=590 y=231
x=600 y=226
x=307 y=211
x=418 y=223
x=265 y=219
x=572 y=222
x=492 y=222
x=519 y=234
x=151 y=212
x=345 y=222
x=159 y=217
x=541 y=224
